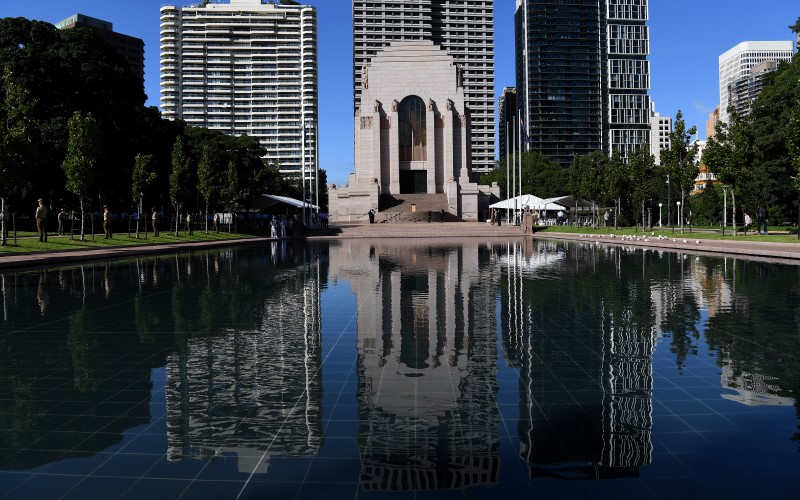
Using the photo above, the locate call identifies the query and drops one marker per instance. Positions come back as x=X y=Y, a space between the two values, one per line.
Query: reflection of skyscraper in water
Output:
x=254 y=394
x=427 y=364
x=586 y=378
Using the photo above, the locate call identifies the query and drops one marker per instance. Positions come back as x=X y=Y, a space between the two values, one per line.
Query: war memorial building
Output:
x=412 y=137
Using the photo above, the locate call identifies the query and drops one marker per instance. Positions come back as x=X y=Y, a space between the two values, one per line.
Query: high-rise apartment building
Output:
x=506 y=119
x=738 y=62
x=464 y=28
x=660 y=128
x=743 y=91
x=583 y=75
x=245 y=67
x=131 y=48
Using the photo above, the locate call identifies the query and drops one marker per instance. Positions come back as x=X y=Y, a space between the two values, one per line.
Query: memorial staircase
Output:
x=414 y=208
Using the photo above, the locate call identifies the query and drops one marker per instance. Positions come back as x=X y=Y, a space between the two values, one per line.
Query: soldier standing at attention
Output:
x=62 y=216
x=41 y=220
x=107 y=222
x=154 y=218
x=189 y=229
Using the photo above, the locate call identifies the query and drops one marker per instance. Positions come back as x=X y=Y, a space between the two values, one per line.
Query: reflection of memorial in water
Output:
x=253 y=393
x=427 y=364
x=586 y=375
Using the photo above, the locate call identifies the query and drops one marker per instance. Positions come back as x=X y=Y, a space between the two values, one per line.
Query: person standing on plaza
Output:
x=41 y=220
x=441 y=215
x=154 y=219
x=62 y=217
x=273 y=227
x=747 y=222
x=761 y=218
x=606 y=216
x=215 y=220
x=189 y=229
x=283 y=228
x=107 y=222
x=430 y=214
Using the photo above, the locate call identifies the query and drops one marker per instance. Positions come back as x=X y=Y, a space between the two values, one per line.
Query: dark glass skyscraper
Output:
x=583 y=75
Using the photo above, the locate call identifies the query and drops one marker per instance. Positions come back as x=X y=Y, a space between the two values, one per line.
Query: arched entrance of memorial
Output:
x=413 y=145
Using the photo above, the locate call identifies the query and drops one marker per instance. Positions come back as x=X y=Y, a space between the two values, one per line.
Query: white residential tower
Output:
x=245 y=67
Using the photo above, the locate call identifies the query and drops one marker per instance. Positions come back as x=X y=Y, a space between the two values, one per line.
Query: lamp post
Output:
x=659 y=214
x=139 y=218
x=680 y=219
x=669 y=202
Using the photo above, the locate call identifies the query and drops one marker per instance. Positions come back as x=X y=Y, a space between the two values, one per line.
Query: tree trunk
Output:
x=83 y=222
x=177 y=219
x=644 y=221
x=2 y=221
x=138 y=220
x=206 y=216
x=733 y=199
x=683 y=202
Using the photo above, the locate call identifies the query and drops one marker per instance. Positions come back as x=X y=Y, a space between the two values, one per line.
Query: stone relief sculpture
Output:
x=459 y=76
x=430 y=104
x=449 y=105
x=364 y=78
x=377 y=105
x=366 y=122
x=395 y=105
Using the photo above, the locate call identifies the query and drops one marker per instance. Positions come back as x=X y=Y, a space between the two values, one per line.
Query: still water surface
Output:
x=352 y=369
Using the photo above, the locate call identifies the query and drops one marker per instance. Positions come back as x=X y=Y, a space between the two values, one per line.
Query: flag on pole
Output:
x=525 y=137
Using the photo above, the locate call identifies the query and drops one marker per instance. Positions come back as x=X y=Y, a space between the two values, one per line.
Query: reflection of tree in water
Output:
x=80 y=346
x=757 y=336
x=105 y=328
x=680 y=321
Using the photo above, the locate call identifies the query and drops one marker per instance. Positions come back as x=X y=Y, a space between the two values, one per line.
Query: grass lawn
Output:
x=697 y=233
x=29 y=242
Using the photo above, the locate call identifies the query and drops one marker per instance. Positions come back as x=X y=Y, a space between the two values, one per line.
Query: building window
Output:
x=413 y=139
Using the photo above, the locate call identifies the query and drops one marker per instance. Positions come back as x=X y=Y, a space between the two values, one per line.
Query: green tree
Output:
x=232 y=192
x=178 y=189
x=614 y=182
x=681 y=158
x=729 y=154
x=793 y=136
x=540 y=176
x=15 y=140
x=771 y=181
x=641 y=166
x=143 y=175
x=81 y=162
x=209 y=177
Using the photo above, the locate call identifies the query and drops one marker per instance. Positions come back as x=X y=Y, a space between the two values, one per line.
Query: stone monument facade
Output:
x=411 y=134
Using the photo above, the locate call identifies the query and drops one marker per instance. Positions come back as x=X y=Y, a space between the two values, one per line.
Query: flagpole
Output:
x=521 y=132
x=508 y=170
x=513 y=180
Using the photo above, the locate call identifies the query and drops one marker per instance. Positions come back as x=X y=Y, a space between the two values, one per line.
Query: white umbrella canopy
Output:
x=527 y=200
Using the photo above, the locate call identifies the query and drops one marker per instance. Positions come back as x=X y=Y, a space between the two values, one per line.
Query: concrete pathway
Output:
x=762 y=248
x=423 y=230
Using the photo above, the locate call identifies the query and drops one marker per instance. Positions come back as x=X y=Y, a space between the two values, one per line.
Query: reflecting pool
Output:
x=356 y=369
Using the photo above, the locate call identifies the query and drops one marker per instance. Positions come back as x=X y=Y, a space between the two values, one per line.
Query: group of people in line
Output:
x=278 y=225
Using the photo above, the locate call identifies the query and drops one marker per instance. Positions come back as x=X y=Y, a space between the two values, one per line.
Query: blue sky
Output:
x=687 y=38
